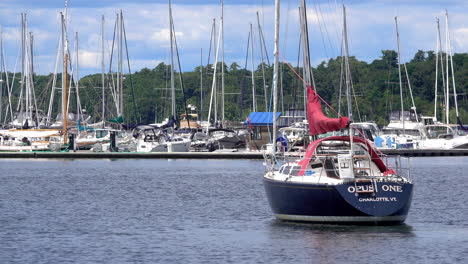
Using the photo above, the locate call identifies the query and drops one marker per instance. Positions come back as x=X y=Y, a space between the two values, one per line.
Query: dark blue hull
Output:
x=374 y=203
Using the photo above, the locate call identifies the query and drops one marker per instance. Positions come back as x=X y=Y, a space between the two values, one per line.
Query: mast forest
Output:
x=375 y=89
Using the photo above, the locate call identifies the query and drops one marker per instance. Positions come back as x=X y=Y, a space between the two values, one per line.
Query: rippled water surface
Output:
x=208 y=211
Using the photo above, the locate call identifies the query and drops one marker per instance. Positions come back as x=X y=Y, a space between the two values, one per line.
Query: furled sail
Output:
x=318 y=122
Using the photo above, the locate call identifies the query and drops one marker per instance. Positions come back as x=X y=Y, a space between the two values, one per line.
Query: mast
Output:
x=121 y=46
x=102 y=74
x=449 y=48
x=263 y=63
x=20 y=107
x=201 y=84
x=64 y=79
x=77 y=82
x=275 y=67
x=439 y=53
x=347 y=70
x=447 y=92
x=437 y=68
x=215 y=72
x=31 y=76
x=399 y=75
x=222 y=64
x=348 y=84
x=307 y=69
x=173 y=110
x=254 y=103
x=213 y=86
x=9 y=107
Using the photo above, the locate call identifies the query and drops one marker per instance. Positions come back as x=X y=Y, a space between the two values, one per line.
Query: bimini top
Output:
x=260 y=119
x=313 y=146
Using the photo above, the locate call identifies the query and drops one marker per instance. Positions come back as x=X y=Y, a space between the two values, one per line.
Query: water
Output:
x=208 y=211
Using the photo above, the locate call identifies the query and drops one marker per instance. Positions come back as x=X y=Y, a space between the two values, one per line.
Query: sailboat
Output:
x=341 y=179
x=405 y=129
x=445 y=135
x=163 y=139
x=25 y=132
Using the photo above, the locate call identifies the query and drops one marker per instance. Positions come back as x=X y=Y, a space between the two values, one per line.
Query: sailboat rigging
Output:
x=341 y=179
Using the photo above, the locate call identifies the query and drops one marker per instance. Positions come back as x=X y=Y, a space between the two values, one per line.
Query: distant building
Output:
x=260 y=125
x=290 y=117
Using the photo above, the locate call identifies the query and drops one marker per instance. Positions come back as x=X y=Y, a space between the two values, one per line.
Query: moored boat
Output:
x=340 y=179
x=345 y=184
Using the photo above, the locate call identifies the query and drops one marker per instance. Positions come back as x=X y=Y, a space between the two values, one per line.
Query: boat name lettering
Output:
x=391 y=188
x=370 y=188
x=361 y=188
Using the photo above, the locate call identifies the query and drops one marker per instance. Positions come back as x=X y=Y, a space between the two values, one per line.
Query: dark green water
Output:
x=208 y=211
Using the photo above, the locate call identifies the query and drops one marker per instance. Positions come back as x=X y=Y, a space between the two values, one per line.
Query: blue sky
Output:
x=370 y=28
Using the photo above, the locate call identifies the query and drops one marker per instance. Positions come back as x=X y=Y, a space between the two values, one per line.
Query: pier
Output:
x=200 y=155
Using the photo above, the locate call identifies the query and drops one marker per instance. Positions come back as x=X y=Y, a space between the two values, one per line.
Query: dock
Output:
x=200 y=155
x=130 y=155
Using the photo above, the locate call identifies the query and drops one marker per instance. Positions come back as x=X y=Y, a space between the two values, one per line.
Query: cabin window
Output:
x=257 y=133
x=286 y=169
x=295 y=170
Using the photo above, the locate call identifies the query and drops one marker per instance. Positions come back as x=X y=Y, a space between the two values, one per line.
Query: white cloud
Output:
x=371 y=29
x=163 y=36
x=461 y=38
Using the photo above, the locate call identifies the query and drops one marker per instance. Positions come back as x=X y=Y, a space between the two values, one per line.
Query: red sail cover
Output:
x=318 y=122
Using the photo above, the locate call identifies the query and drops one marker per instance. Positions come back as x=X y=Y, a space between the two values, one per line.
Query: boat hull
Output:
x=389 y=204
x=178 y=146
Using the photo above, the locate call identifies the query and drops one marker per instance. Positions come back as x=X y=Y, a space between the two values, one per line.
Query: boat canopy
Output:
x=313 y=146
x=318 y=122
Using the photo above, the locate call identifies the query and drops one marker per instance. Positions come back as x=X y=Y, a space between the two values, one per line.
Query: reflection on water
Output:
x=403 y=229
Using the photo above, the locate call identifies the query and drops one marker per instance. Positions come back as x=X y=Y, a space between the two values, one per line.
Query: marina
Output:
x=201 y=155
x=233 y=132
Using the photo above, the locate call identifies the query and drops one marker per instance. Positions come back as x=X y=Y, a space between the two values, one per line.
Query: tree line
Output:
x=375 y=93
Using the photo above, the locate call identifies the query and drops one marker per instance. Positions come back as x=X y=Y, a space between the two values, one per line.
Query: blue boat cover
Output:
x=261 y=119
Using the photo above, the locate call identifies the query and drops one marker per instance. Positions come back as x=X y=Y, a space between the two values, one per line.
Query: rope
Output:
x=300 y=77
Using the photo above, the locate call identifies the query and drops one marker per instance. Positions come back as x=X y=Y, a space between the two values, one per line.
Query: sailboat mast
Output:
x=347 y=70
x=201 y=84
x=121 y=45
x=102 y=73
x=307 y=69
x=117 y=87
x=265 y=92
x=77 y=82
x=26 y=75
x=254 y=103
x=437 y=68
x=31 y=75
x=172 y=61
x=447 y=92
x=348 y=84
x=213 y=86
x=399 y=75
x=222 y=64
x=64 y=80
x=275 y=67
x=449 y=48
x=20 y=107
x=215 y=73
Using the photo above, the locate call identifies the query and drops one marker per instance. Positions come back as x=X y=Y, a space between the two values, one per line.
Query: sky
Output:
x=371 y=28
